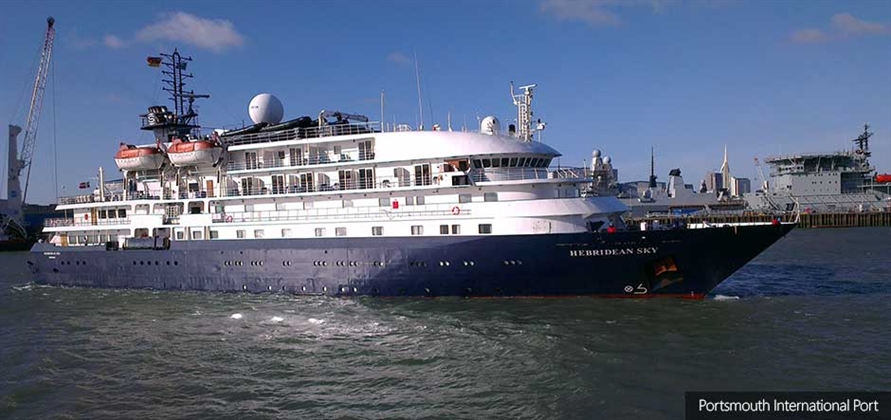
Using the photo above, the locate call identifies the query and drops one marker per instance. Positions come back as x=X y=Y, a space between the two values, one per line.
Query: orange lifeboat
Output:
x=883 y=178
x=191 y=153
x=138 y=158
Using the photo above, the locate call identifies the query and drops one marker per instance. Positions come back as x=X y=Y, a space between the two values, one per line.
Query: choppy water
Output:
x=811 y=314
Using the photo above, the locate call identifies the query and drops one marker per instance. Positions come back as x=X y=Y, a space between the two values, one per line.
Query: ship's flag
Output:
x=83 y=185
x=153 y=61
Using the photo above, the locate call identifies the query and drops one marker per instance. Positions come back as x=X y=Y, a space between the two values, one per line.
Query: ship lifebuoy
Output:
x=456 y=211
x=228 y=219
x=86 y=217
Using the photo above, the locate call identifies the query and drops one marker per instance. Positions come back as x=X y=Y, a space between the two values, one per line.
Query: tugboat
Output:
x=344 y=207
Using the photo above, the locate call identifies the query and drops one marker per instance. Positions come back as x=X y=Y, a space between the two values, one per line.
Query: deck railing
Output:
x=71 y=221
x=363 y=213
x=303 y=133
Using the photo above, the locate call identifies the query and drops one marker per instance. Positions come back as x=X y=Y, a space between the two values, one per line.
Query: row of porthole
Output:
x=150 y=263
x=75 y=263
x=513 y=262
x=235 y=263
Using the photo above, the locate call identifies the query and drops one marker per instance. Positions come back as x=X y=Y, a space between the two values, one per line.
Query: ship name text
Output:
x=609 y=252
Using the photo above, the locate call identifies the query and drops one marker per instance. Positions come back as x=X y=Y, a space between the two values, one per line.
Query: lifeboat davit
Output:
x=192 y=153
x=883 y=178
x=142 y=158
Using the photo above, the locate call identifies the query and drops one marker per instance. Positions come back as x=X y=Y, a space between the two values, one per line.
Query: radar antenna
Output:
x=862 y=141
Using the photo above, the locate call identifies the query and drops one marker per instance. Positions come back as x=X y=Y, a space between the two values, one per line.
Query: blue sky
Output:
x=686 y=77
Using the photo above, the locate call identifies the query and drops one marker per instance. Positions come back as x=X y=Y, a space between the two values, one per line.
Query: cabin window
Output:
x=477 y=164
x=250 y=160
x=345 y=179
x=180 y=235
x=347 y=203
x=214 y=234
x=419 y=200
x=443 y=229
x=280 y=158
x=409 y=201
x=240 y=233
x=456 y=229
x=286 y=233
x=122 y=213
x=365 y=150
x=513 y=162
x=377 y=230
x=259 y=233
x=278 y=184
x=248 y=208
x=102 y=214
x=485 y=228
x=320 y=231
x=422 y=174
x=417 y=230
x=366 y=178
x=307 y=205
x=306 y=184
x=464 y=198
x=196 y=234
x=296 y=156
x=341 y=231
x=492 y=196
x=383 y=202
x=281 y=206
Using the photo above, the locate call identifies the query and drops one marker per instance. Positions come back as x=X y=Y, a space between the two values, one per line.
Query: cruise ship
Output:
x=338 y=205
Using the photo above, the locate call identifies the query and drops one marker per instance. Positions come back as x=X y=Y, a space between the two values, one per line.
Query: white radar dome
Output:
x=595 y=153
x=607 y=160
x=266 y=108
x=490 y=125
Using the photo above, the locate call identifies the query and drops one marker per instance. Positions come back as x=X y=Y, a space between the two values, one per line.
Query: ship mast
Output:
x=523 y=101
x=862 y=141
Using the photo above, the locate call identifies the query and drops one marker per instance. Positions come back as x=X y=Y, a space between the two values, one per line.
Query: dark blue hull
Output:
x=684 y=263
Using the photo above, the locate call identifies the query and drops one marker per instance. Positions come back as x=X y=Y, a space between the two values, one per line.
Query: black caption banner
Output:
x=787 y=405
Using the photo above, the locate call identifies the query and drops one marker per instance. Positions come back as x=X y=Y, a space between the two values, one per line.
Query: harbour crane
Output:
x=31 y=124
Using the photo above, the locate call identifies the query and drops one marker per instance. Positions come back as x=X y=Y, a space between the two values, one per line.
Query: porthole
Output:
x=498 y=290
x=142 y=263
x=269 y=288
x=176 y=263
x=243 y=287
x=303 y=288
x=325 y=289
x=355 y=290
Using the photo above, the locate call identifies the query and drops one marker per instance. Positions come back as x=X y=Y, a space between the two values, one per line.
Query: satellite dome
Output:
x=490 y=125
x=607 y=160
x=266 y=108
x=595 y=153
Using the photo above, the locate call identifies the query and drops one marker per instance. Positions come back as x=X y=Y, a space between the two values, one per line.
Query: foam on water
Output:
x=725 y=297
x=235 y=316
x=276 y=319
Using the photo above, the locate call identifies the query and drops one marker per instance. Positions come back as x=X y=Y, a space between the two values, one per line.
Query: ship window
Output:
x=464 y=198
x=320 y=231
x=492 y=196
x=419 y=200
x=196 y=234
x=487 y=163
x=248 y=207
x=296 y=156
x=214 y=234
x=505 y=162
x=443 y=229
x=417 y=230
x=341 y=231
x=365 y=150
x=377 y=230
x=102 y=214
x=307 y=205
x=180 y=235
x=477 y=163
x=366 y=178
x=259 y=233
x=383 y=202
x=496 y=163
x=347 y=203
x=409 y=201
x=286 y=233
x=250 y=160
x=456 y=229
x=513 y=162
x=122 y=213
x=240 y=233
x=485 y=228
x=422 y=174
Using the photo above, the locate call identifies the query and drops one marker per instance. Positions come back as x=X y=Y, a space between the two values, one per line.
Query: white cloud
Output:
x=809 y=36
x=842 y=26
x=78 y=42
x=851 y=26
x=596 y=12
x=112 y=41
x=212 y=34
x=398 y=58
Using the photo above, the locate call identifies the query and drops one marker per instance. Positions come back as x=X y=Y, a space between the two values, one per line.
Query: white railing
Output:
x=311 y=160
x=71 y=221
x=364 y=213
x=530 y=174
x=302 y=133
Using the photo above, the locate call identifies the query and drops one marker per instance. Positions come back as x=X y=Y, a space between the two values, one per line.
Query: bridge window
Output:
x=486 y=228
x=477 y=164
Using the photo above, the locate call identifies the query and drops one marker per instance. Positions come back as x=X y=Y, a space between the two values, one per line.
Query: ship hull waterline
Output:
x=685 y=263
